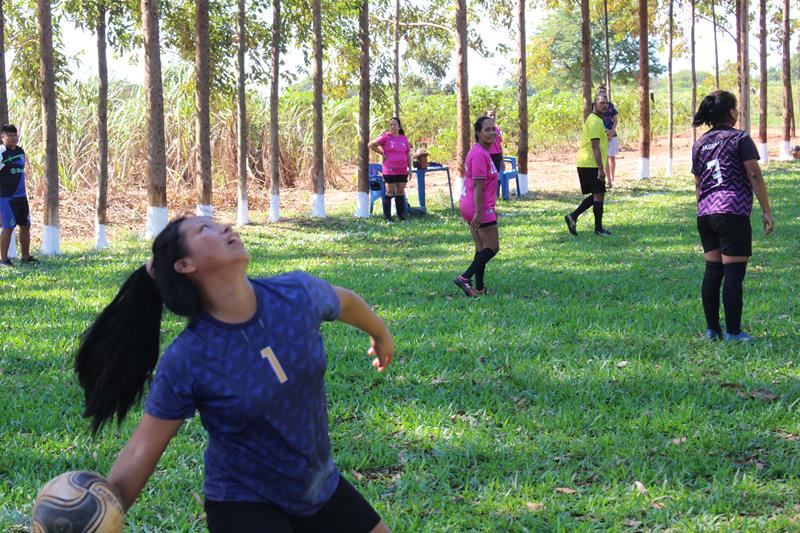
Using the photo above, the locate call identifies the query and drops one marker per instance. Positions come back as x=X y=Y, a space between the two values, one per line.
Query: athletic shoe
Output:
x=481 y=292
x=570 y=224
x=388 y=220
x=6 y=263
x=30 y=260
x=713 y=334
x=463 y=284
x=603 y=232
x=741 y=337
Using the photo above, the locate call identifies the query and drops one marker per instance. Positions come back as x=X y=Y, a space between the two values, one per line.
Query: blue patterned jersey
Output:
x=717 y=158
x=12 y=175
x=259 y=387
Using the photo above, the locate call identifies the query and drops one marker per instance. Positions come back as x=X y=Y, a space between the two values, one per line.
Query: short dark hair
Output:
x=8 y=128
x=714 y=109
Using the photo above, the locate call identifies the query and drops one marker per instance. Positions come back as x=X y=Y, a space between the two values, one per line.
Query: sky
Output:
x=482 y=71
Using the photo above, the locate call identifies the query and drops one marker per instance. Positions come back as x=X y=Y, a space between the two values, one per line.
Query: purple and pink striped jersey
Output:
x=717 y=158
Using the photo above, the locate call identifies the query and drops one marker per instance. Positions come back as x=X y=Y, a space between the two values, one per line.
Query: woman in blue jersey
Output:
x=250 y=361
x=726 y=171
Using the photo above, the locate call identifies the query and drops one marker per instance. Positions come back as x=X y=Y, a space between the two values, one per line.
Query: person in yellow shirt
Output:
x=592 y=159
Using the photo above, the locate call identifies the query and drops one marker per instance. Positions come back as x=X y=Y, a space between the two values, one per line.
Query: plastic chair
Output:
x=377 y=188
x=505 y=177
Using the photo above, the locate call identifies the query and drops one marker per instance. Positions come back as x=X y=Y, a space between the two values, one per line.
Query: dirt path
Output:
x=547 y=173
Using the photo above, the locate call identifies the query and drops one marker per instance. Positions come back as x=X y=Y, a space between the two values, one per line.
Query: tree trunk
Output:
x=586 y=59
x=693 y=53
x=462 y=86
x=522 y=98
x=788 y=106
x=716 y=48
x=362 y=209
x=242 y=212
x=50 y=243
x=274 y=139
x=396 y=58
x=743 y=42
x=203 y=118
x=669 y=81
x=3 y=84
x=102 y=130
x=608 y=50
x=156 y=151
x=644 y=94
x=762 y=100
x=316 y=74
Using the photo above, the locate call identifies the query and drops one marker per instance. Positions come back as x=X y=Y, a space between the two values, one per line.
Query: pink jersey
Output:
x=479 y=166
x=497 y=146
x=395 y=151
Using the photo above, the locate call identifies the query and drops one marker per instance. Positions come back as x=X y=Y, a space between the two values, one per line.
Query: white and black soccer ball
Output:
x=78 y=502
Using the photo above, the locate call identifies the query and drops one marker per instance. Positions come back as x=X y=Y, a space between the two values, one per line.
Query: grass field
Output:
x=578 y=396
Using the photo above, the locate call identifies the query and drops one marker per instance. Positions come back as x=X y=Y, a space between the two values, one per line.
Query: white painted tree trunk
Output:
x=318 y=205
x=157 y=218
x=362 y=205
x=242 y=213
x=51 y=241
x=669 y=166
x=523 y=184
x=274 y=207
x=12 y=246
x=763 y=153
x=644 y=168
x=100 y=238
x=205 y=210
x=786 y=151
x=458 y=187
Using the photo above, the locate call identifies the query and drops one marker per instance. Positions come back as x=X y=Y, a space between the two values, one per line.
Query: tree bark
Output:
x=202 y=97
x=743 y=45
x=242 y=216
x=716 y=48
x=396 y=32
x=669 y=78
x=462 y=87
x=274 y=139
x=762 y=100
x=788 y=106
x=316 y=74
x=102 y=117
x=644 y=92
x=3 y=81
x=608 y=50
x=522 y=90
x=586 y=59
x=156 y=151
x=363 y=98
x=49 y=116
x=693 y=53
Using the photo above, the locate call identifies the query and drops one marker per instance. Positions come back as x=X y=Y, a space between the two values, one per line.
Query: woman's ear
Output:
x=185 y=266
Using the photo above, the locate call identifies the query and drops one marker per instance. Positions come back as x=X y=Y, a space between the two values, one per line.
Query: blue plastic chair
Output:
x=505 y=177
x=377 y=188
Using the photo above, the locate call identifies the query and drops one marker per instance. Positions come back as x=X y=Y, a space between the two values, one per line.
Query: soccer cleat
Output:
x=570 y=224
x=481 y=292
x=603 y=232
x=463 y=284
x=6 y=263
x=741 y=337
x=713 y=334
x=30 y=260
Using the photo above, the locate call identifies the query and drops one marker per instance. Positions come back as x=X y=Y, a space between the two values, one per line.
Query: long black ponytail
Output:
x=715 y=109
x=119 y=351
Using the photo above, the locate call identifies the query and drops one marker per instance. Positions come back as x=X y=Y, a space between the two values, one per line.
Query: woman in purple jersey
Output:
x=726 y=171
x=250 y=361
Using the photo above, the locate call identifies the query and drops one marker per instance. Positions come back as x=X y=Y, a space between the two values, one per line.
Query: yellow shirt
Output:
x=593 y=128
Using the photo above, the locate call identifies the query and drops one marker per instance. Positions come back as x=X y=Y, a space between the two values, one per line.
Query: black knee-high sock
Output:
x=481 y=258
x=481 y=270
x=400 y=204
x=712 y=282
x=387 y=207
x=732 y=296
x=597 y=207
x=585 y=204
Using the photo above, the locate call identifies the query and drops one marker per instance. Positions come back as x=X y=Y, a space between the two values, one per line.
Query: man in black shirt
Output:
x=14 y=210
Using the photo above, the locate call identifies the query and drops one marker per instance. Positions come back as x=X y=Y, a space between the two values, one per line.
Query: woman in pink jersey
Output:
x=477 y=206
x=396 y=151
x=496 y=149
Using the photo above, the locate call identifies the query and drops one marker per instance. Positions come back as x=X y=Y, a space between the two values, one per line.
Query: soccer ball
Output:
x=78 y=502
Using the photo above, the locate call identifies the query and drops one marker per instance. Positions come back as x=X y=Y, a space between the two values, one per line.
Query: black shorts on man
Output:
x=590 y=183
x=732 y=235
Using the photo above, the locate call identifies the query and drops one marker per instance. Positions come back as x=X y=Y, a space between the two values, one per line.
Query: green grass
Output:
x=491 y=404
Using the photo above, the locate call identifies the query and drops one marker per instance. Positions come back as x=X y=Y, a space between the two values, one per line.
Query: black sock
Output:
x=481 y=258
x=712 y=282
x=387 y=207
x=732 y=296
x=597 y=207
x=400 y=204
x=482 y=269
x=585 y=204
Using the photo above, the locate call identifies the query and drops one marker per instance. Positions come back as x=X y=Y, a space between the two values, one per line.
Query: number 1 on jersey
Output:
x=714 y=164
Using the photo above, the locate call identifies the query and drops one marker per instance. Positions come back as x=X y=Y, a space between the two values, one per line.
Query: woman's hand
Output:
x=767 y=222
x=476 y=221
x=382 y=349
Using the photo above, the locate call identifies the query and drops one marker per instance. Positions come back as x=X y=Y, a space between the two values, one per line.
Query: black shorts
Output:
x=730 y=234
x=14 y=212
x=497 y=159
x=346 y=512
x=590 y=184
x=395 y=178
x=488 y=224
